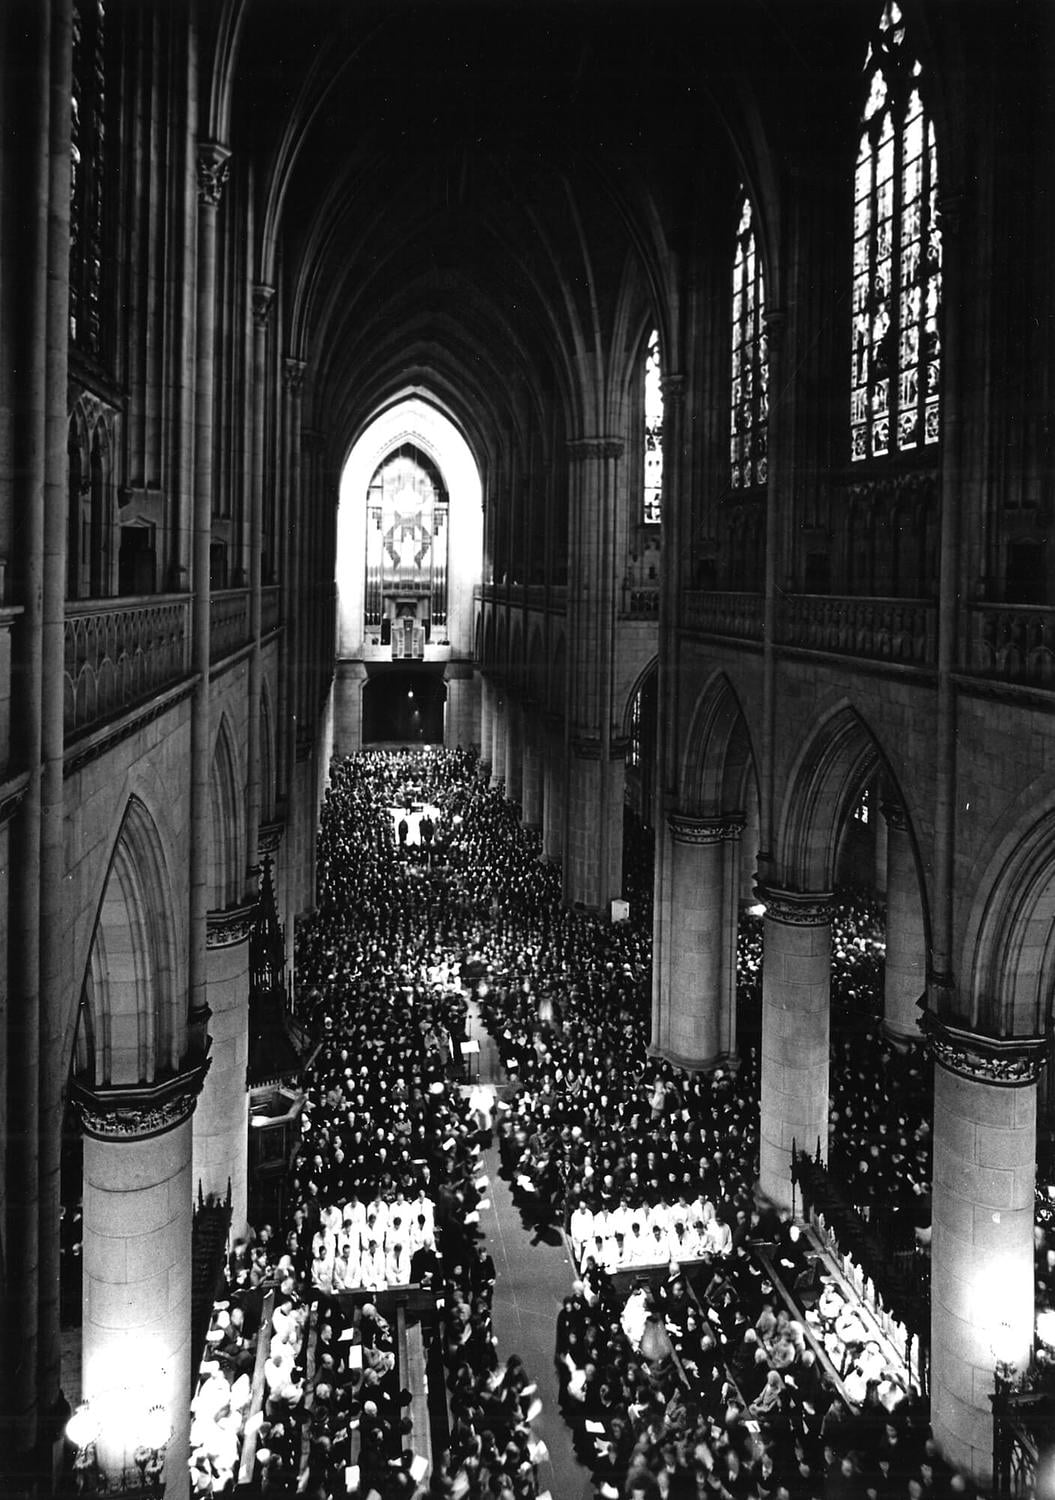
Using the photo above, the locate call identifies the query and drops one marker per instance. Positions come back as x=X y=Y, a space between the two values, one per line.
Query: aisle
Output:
x=532 y=1278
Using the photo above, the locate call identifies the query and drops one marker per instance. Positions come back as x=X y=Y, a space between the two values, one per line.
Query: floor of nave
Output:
x=532 y=1277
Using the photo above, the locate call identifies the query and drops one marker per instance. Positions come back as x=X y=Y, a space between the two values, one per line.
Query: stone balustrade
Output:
x=895 y=630
x=228 y=623
x=728 y=614
x=1015 y=642
x=119 y=654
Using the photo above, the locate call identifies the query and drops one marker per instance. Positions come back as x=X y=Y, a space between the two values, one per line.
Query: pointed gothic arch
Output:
x=129 y=1031
x=718 y=767
x=227 y=822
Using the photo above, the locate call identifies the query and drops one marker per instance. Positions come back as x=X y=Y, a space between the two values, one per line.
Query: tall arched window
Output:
x=750 y=361
x=652 y=512
x=88 y=149
x=896 y=357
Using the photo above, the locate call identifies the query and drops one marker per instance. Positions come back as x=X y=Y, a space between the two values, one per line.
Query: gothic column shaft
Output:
x=697 y=993
x=461 y=695
x=487 y=709
x=514 y=750
x=53 y=989
x=796 y=972
x=593 y=854
x=985 y=1100
x=262 y=299
x=136 y=1330
x=530 y=774
x=553 y=797
x=221 y=1120
x=906 y=949
x=498 y=739
x=213 y=162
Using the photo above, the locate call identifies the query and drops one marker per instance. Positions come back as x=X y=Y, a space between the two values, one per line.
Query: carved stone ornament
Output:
x=673 y=389
x=137 y=1113
x=896 y=816
x=263 y=300
x=293 y=375
x=225 y=929
x=797 y=908
x=582 y=449
x=268 y=838
x=689 y=830
x=214 y=162
x=1011 y=1062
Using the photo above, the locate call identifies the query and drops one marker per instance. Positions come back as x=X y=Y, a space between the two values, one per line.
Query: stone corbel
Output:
x=214 y=163
x=687 y=829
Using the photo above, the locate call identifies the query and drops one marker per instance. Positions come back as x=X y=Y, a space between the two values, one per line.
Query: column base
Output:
x=729 y=1062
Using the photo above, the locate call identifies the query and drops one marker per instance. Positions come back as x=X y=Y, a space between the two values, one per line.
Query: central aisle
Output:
x=532 y=1278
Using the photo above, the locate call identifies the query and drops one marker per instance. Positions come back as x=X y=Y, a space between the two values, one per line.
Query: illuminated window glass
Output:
x=88 y=150
x=896 y=357
x=750 y=362
x=863 y=810
x=653 y=487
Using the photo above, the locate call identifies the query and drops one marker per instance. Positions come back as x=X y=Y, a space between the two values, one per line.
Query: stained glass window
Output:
x=88 y=156
x=653 y=488
x=895 y=376
x=750 y=361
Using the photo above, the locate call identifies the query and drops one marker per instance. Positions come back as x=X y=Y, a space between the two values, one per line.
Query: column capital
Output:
x=687 y=829
x=776 y=321
x=214 y=162
x=134 y=1113
x=293 y=376
x=263 y=299
x=581 y=449
x=896 y=816
x=225 y=929
x=1011 y=1062
x=268 y=838
x=797 y=908
x=673 y=388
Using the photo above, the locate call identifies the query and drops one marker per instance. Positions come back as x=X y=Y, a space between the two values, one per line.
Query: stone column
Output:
x=796 y=974
x=553 y=797
x=498 y=739
x=487 y=710
x=263 y=296
x=881 y=836
x=695 y=1024
x=348 y=707
x=530 y=770
x=221 y=1121
x=749 y=852
x=906 y=943
x=985 y=1102
x=593 y=858
x=459 y=720
x=136 y=1333
x=514 y=750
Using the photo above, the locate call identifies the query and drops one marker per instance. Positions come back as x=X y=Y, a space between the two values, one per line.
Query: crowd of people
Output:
x=717 y=1392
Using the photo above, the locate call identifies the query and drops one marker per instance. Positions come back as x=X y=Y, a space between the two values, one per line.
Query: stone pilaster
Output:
x=263 y=298
x=906 y=943
x=498 y=739
x=695 y=1015
x=514 y=750
x=487 y=712
x=796 y=977
x=136 y=1331
x=985 y=1107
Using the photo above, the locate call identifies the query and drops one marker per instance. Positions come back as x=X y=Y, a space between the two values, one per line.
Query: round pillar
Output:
x=593 y=857
x=530 y=774
x=487 y=710
x=459 y=726
x=514 y=751
x=698 y=990
x=136 y=1331
x=553 y=795
x=985 y=1103
x=498 y=741
x=796 y=975
x=221 y=1121
x=906 y=944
